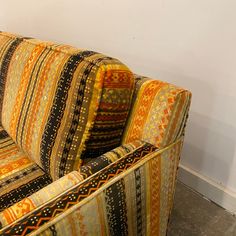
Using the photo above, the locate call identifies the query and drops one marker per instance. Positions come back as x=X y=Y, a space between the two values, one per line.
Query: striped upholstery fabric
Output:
x=159 y=112
x=56 y=188
x=86 y=147
x=19 y=176
x=104 y=160
x=39 y=198
x=61 y=104
x=132 y=196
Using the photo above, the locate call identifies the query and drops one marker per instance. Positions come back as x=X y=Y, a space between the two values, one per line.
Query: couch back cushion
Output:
x=60 y=104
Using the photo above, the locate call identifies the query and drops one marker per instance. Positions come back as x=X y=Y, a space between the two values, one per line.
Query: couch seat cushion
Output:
x=19 y=176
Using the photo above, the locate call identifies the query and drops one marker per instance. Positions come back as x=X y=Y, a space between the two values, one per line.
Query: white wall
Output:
x=187 y=42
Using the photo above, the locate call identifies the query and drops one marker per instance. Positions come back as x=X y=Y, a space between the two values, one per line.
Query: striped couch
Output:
x=86 y=146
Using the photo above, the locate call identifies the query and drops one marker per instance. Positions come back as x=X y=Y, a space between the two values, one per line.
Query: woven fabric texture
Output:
x=60 y=104
x=19 y=176
x=86 y=146
x=104 y=160
x=131 y=196
x=39 y=198
x=158 y=114
x=59 y=186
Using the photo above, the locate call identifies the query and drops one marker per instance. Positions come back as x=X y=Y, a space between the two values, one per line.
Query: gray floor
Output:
x=194 y=215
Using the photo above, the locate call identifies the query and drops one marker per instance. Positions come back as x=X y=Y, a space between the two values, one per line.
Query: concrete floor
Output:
x=193 y=215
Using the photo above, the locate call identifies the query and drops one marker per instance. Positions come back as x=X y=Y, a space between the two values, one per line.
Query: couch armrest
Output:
x=29 y=204
x=159 y=112
x=132 y=194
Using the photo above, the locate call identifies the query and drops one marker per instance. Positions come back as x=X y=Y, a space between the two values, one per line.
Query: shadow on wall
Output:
x=210 y=142
x=210 y=148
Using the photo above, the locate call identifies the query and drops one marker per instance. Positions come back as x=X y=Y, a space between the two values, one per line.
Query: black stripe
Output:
x=108 y=127
x=4 y=68
x=76 y=116
x=6 y=181
x=138 y=190
x=94 y=166
x=53 y=208
x=3 y=134
x=107 y=136
x=5 y=47
x=8 y=199
x=116 y=208
x=97 y=151
x=75 y=119
x=58 y=107
x=7 y=139
x=113 y=131
x=53 y=230
x=101 y=162
x=8 y=145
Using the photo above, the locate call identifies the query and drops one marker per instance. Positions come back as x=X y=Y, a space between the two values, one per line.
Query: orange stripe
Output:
x=175 y=122
x=23 y=86
x=155 y=187
x=8 y=216
x=165 y=116
x=8 y=153
x=38 y=95
x=144 y=103
x=14 y=165
x=18 y=210
x=117 y=78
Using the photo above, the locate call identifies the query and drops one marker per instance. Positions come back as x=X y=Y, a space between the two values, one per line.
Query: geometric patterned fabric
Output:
x=86 y=146
x=61 y=104
x=46 y=194
x=131 y=196
x=159 y=112
x=104 y=160
x=19 y=176
x=38 y=198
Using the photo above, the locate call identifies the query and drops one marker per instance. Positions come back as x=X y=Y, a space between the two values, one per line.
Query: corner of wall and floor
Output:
x=208 y=188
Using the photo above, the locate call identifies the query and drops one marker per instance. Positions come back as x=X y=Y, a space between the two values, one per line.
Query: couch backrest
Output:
x=61 y=104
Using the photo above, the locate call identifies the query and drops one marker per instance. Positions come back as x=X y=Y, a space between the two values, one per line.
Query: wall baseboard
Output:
x=208 y=188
